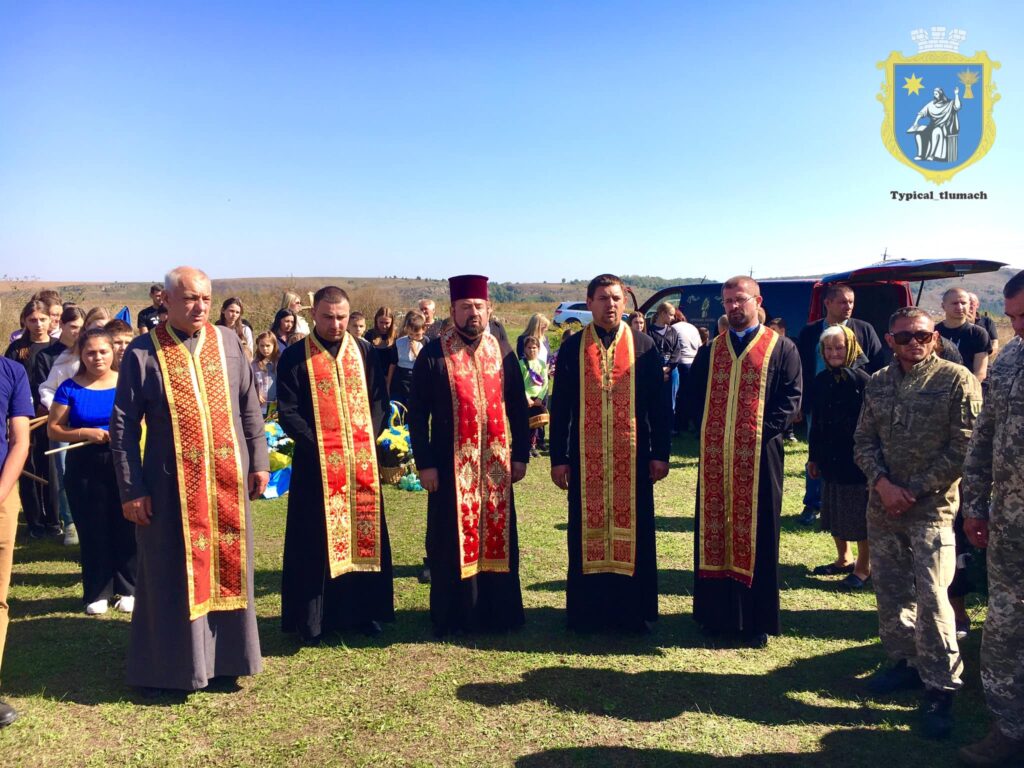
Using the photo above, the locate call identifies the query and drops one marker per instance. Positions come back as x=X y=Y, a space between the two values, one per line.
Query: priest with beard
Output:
x=610 y=441
x=746 y=386
x=332 y=402
x=470 y=439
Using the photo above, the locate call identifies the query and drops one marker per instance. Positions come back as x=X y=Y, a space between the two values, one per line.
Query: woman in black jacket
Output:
x=837 y=398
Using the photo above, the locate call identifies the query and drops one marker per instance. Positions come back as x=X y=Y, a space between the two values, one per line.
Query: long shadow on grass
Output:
x=852 y=748
x=47 y=580
x=78 y=659
x=23 y=609
x=777 y=697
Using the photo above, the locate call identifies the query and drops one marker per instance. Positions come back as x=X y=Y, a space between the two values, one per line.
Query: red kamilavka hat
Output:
x=467 y=287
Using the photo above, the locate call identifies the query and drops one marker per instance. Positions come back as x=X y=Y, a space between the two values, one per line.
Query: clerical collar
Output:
x=331 y=346
x=745 y=332
x=824 y=322
x=606 y=336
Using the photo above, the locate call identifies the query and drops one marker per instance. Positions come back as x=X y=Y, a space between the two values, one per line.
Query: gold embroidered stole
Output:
x=211 y=485
x=483 y=469
x=348 y=457
x=730 y=456
x=608 y=447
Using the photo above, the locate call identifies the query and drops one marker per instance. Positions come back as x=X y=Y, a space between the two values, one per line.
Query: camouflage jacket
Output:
x=915 y=428
x=994 y=470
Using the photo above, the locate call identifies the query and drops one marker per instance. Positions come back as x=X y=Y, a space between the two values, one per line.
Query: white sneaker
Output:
x=125 y=604
x=97 y=608
x=70 y=535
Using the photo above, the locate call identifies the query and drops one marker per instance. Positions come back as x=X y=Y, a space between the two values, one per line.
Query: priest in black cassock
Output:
x=331 y=400
x=470 y=439
x=746 y=387
x=608 y=455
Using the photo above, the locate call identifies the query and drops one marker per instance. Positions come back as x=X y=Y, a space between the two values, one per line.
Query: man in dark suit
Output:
x=839 y=301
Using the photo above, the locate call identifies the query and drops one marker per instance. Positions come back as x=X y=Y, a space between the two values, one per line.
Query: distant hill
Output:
x=404 y=292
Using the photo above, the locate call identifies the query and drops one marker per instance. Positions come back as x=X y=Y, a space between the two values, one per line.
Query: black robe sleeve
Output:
x=515 y=406
x=423 y=372
x=564 y=394
x=292 y=388
x=376 y=388
x=654 y=407
x=784 y=392
x=697 y=385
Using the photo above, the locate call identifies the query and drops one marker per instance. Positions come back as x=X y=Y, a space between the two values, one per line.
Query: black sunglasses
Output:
x=903 y=337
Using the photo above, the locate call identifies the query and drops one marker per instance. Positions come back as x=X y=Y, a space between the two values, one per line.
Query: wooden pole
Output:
x=37 y=478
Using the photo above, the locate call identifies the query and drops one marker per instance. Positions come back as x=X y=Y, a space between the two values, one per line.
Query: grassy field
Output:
x=538 y=697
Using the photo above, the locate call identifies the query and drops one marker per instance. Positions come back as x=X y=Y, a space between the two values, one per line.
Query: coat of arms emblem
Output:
x=938 y=104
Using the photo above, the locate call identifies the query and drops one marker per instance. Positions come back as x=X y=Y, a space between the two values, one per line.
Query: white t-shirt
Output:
x=689 y=338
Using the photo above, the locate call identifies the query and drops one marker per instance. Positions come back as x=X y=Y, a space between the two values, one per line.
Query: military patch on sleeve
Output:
x=975 y=406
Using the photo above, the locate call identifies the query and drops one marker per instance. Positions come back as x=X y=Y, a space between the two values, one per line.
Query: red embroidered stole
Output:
x=483 y=469
x=348 y=456
x=608 y=438
x=730 y=457
x=211 y=486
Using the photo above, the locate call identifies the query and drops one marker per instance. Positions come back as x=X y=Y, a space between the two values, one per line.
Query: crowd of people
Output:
x=913 y=458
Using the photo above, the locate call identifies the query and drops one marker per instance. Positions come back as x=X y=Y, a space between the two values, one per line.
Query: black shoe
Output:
x=899 y=677
x=424 y=577
x=853 y=583
x=808 y=516
x=55 y=531
x=759 y=640
x=223 y=684
x=937 y=714
x=152 y=692
x=8 y=714
x=831 y=569
x=371 y=629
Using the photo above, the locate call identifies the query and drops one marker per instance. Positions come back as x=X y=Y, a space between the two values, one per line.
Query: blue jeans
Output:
x=58 y=496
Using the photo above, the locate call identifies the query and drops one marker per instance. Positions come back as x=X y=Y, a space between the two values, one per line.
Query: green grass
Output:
x=538 y=697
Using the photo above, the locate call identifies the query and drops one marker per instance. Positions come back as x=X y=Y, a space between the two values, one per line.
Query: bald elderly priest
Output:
x=206 y=456
x=470 y=439
x=747 y=385
x=332 y=401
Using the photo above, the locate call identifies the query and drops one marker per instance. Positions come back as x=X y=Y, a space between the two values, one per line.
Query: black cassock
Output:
x=599 y=600
x=487 y=601
x=724 y=604
x=311 y=601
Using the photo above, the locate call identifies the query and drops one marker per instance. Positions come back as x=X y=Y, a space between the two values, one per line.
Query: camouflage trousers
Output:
x=912 y=566
x=1002 y=646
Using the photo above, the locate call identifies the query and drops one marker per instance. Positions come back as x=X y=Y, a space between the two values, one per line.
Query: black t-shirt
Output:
x=990 y=328
x=969 y=339
x=149 y=318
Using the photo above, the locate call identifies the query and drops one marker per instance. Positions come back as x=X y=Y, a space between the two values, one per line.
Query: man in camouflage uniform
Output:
x=994 y=518
x=910 y=443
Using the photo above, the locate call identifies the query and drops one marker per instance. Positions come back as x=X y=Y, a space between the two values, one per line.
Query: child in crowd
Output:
x=535 y=377
x=264 y=370
x=357 y=324
x=403 y=356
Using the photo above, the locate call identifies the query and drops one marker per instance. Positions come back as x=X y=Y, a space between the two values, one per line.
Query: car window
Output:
x=582 y=305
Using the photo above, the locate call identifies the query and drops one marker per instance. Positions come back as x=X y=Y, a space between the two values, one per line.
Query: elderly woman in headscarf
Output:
x=838 y=395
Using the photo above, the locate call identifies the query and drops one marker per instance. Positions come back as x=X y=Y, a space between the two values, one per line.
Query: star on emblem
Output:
x=913 y=84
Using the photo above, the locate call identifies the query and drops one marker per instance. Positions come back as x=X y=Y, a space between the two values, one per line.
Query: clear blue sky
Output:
x=526 y=140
